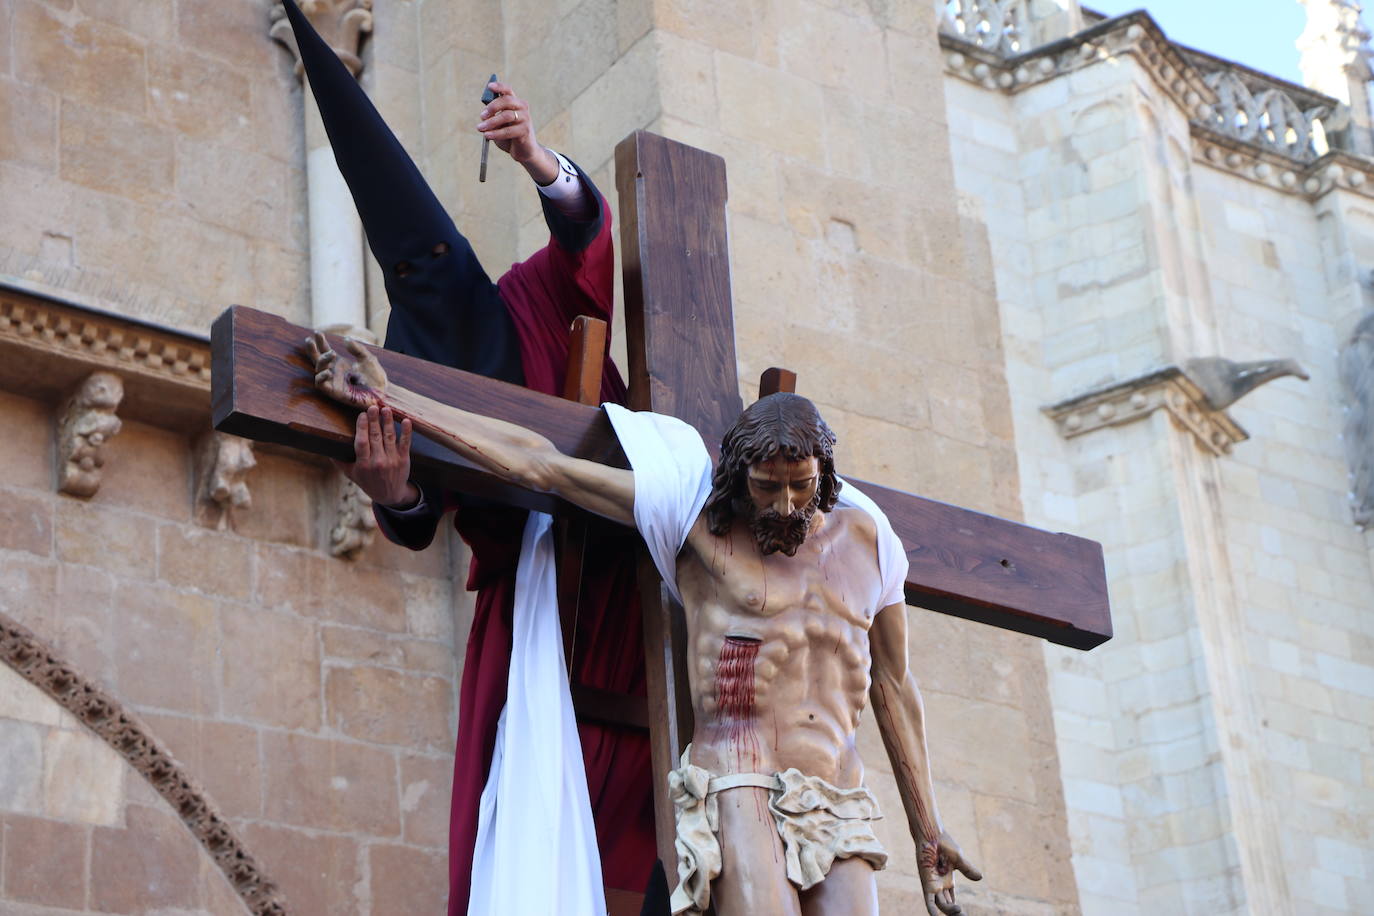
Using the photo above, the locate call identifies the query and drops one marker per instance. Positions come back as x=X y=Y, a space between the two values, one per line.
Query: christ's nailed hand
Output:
x=382 y=465
x=938 y=882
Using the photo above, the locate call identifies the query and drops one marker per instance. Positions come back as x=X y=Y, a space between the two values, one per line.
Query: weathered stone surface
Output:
x=83 y=777
x=234 y=32
x=413 y=880
x=165 y=643
x=245 y=192
x=26 y=454
x=223 y=756
x=331 y=784
x=28 y=125
x=426 y=790
x=147 y=469
x=149 y=864
x=118 y=540
x=116 y=153
x=26 y=522
x=196 y=95
x=375 y=648
x=781 y=111
x=210 y=562
x=285 y=500
x=21 y=766
x=388 y=707
x=45 y=861
x=318 y=873
x=87 y=61
x=26 y=583
x=271 y=668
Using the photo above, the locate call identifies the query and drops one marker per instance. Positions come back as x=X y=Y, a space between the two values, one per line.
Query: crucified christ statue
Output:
x=795 y=619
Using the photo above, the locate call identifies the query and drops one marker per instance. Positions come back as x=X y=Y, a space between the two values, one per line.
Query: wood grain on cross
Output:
x=682 y=362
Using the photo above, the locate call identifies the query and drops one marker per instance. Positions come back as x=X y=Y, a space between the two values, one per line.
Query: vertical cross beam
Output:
x=681 y=347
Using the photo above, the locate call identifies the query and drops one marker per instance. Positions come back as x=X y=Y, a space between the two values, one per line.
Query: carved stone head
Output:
x=775 y=432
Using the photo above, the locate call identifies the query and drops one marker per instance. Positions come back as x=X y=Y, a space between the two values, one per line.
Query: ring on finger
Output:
x=517 y=117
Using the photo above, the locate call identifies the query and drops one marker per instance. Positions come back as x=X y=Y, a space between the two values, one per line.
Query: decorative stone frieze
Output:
x=1252 y=125
x=1357 y=384
x=107 y=340
x=354 y=525
x=85 y=424
x=1168 y=389
x=343 y=24
x=222 y=464
x=37 y=663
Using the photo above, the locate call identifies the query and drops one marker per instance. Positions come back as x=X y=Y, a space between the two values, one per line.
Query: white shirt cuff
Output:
x=416 y=510
x=566 y=192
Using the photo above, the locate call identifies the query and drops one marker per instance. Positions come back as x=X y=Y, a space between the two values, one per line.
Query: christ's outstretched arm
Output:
x=901 y=721
x=509 y=451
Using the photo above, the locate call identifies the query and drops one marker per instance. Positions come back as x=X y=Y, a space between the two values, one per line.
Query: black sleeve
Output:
x=412 y=529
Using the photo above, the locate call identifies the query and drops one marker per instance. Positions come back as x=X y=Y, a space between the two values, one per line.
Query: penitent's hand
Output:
x=937 y=869
x=506 y=122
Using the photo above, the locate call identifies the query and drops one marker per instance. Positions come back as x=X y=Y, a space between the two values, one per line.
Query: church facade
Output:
x=1027 y=260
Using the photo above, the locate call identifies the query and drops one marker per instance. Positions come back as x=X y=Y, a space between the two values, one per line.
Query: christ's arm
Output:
x=901 y=721
x=507 y=450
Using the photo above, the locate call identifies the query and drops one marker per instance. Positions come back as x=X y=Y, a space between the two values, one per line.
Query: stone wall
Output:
x=1216 y=738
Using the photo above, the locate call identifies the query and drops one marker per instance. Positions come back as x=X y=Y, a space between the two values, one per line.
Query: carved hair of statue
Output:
x=781 y=425
x=1357 y=378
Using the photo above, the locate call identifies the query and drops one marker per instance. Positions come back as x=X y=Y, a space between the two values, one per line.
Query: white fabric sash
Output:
x=536 y=843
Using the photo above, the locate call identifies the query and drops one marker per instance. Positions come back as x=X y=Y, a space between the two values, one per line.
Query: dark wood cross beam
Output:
x=682 y=362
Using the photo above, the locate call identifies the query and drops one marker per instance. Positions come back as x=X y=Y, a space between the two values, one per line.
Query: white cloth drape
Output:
x=536 y=844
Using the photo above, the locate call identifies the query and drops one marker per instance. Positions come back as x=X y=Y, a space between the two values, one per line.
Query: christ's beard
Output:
x=775 y=532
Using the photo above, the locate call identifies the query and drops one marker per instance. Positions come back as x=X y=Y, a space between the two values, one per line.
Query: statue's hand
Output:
x=938 y=862
x=357 y=379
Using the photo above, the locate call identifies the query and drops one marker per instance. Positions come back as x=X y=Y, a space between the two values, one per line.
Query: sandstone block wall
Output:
x=312 y=697
x=1216 y=736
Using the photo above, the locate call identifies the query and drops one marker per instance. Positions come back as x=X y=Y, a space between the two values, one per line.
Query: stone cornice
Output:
x=1175 y=69
x=1167 y=389
x=47 y=346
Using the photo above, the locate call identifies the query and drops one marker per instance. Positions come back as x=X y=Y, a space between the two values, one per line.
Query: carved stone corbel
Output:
x=86 y=423
x=1195 y=399
x=341 y=23
x=222 y=464
x=354 y=525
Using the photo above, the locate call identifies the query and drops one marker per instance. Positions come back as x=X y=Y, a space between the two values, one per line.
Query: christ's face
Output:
x=783 y=496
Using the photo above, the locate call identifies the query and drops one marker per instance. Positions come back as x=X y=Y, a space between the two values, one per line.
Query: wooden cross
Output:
x=682 y=362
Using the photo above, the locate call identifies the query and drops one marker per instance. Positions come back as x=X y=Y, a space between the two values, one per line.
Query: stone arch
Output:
x=35 y=661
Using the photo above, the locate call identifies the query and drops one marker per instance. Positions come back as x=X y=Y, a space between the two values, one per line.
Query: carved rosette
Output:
x=343 y=24
x=1167 y=389
x=354 y=525
x=87 y=422
x=222 y=465
x=37 y=663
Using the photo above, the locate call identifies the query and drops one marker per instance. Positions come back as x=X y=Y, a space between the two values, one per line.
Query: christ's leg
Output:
x=849 y=890
x=753 y=874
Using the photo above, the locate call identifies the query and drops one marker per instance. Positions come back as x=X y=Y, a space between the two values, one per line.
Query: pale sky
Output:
x=1257 y=33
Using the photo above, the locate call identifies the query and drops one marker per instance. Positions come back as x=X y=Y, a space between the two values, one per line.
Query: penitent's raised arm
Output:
x=507 y=450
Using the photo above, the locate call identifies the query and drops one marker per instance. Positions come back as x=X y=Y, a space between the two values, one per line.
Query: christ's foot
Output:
x=357 y=379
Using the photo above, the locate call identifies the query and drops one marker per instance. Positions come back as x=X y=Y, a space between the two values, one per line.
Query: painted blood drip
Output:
x=735 y=692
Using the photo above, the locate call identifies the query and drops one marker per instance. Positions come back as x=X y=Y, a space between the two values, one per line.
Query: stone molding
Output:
x=1223 y=101
x=35 y=661
x=86 y=422
x=341 y=23
x=1168 y=389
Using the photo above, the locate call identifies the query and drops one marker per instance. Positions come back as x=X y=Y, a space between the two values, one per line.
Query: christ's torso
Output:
x=778 y=650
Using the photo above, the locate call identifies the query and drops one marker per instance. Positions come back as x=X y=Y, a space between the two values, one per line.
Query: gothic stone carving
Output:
x=222 y=463
x=354 y=525
x=341 y=23
x=1168 y=389
x=35 y=661
x=86 y=423
x=1357 y=380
